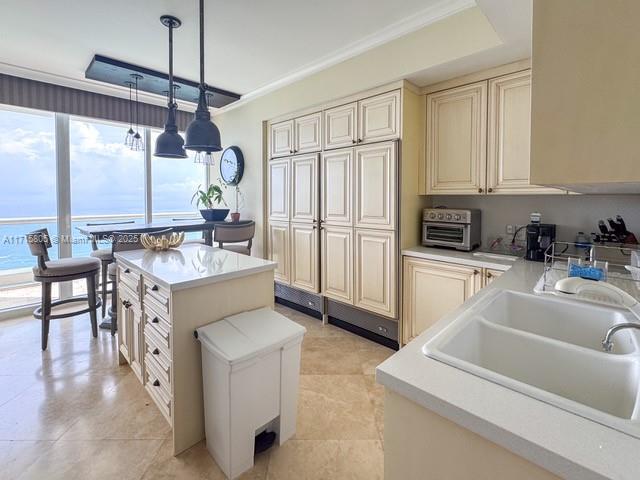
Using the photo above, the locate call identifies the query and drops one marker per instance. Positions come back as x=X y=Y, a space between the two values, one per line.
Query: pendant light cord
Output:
x=137 y=111
x=202 y=44
x=130 y=107
x=171 y=63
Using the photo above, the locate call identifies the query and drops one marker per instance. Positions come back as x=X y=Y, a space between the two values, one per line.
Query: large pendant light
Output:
x=170 y=144
x=202 y=135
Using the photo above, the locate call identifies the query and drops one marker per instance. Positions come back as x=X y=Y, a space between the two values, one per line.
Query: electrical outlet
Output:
x=510 y=229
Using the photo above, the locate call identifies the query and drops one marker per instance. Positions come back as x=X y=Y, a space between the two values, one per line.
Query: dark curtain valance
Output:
x=22 y=92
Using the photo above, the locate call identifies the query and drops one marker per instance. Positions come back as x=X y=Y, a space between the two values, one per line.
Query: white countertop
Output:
x=193 y=265
x=568 y=445
x=487 y=260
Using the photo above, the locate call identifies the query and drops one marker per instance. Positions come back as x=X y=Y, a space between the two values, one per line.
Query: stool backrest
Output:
x=39 y=243
x=231 y=233
x=123 y=241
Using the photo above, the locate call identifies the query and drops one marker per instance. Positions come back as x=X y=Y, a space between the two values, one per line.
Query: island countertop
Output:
x=566 y=444
x=192 y=265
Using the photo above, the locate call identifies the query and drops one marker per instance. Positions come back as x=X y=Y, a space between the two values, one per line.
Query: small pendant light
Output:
x=202 y=135
x=138 y=143
x=170 y=144
x=128 y=141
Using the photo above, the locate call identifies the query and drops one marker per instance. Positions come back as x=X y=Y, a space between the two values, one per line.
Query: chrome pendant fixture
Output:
x=128 y=141
x=202 y=135
x=170 y=144
x=138 y=143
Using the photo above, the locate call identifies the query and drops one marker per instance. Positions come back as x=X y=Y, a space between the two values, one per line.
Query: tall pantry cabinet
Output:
x=333 y=202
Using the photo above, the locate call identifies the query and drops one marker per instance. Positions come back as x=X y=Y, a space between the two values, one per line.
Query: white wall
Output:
x=571 y=213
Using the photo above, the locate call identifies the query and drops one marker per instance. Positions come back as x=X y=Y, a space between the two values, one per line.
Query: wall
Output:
x=454 y=37
x=571 y=213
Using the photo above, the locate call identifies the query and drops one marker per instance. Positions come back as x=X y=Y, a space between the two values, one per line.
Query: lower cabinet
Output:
x=375 y=271
x=278 y=250
x=337 y=263
x=431 y=290
x=304 y=257
x=490 y=275
x=131 y=329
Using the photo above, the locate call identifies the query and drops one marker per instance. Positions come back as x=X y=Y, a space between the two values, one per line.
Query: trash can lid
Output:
x=240 y=337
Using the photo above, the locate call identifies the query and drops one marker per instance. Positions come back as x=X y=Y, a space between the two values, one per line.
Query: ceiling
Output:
x=252 y=46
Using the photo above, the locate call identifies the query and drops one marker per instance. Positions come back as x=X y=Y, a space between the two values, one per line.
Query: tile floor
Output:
x=72 y=413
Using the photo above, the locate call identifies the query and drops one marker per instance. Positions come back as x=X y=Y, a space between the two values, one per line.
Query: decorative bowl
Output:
x=161 y=243
x=214 y=214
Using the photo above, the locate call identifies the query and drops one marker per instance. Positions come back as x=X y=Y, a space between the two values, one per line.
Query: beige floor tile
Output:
x=335 y=407
x=376 y=395
x=371 y=355
x=303 y=459
x=126 y=413
x=330 y=356
x=17 y=456
x=89 y=460
x=359 y=460
x=314 y=326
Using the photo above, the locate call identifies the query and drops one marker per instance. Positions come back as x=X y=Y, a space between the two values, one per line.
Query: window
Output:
x=174 y=180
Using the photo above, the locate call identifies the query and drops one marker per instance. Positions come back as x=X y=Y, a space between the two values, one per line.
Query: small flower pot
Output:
x=235 y=217
x=214 y=214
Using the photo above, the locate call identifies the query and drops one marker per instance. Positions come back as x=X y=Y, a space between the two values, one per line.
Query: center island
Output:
x=162 y=298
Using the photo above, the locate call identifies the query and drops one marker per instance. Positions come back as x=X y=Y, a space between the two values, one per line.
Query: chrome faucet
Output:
x=607 y=344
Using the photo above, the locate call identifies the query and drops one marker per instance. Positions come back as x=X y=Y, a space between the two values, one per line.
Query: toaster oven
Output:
x=452 y=228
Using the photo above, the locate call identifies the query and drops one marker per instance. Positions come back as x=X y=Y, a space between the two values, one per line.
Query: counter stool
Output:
x=54 y=271
x=225 y=234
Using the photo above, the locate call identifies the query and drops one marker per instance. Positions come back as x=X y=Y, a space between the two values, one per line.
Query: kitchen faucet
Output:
x=607 y=344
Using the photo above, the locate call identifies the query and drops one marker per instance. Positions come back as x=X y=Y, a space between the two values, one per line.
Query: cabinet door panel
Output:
x=379 y=117
x=432 y=290
x=375 y=186
x=340 y=126
x=308 y=133
x=279 y=189
x=337 y=261
x=278 y=250
x=336 y=187
x=304 y=193
x=509 y=147
x=137 y=338
x=304 y=257
x=281 y=139
x=456 y=140
x=375 y=271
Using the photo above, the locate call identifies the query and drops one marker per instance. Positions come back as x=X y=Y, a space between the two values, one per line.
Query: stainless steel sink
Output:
x=549 y=349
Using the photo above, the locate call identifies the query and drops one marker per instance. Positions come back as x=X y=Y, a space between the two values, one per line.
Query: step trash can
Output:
x=250 y=374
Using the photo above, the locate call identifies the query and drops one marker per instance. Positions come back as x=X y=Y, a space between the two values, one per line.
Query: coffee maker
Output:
x=539 y=237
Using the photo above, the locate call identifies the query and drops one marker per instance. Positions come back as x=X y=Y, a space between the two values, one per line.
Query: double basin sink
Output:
x=550 y=349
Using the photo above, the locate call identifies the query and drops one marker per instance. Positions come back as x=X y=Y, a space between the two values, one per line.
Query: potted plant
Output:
x=207 y=198
x=235 y=216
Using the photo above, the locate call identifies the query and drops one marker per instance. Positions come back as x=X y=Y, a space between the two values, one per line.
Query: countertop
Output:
x=193 y=265
x=565 y=444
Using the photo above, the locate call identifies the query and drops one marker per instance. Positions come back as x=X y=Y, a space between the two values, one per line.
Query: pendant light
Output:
x=202 y=135
x=128 y=141
x=170 y=144
x=138 y=143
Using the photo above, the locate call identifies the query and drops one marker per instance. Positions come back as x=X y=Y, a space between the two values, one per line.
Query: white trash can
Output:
x=250 y=373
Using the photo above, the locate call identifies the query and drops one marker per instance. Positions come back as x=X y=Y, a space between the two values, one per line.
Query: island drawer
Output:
x=158 y=337
x=159 y=394
x=155 y=294
x=158 y=363
x=130 y=278
x=160 y=327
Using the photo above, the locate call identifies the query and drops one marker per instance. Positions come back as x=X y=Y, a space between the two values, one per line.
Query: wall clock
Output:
x=232 y=166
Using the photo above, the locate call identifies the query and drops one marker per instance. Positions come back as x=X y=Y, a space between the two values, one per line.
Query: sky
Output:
x=106 y=176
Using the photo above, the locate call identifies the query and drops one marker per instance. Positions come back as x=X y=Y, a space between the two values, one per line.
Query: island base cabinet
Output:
x=431 y=290
x=375 y=271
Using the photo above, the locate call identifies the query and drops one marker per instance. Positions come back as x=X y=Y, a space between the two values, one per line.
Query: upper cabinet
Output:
x=281 y=139
x=278 y=201
x=304 y=192
x=372 y=119
x=456 y=140
x=509 y=145
x=308 y=133
x=375 y=186
x=478 y=138
x=336 y=196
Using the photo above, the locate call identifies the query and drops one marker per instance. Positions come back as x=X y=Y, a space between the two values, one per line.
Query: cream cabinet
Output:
x=278 y=250
x=509 y=136
x=308 y=133
x=278 y=187
x=337 y=263
x=281 y=140
x=304 y=257
x=489 y=275
x=431 y=290
x=336 y=193
x=375 y=271
x=304 y=189
x=375 y=186
x=341 y=126
x=130 y=320
x=379 y=117
x=456 y=140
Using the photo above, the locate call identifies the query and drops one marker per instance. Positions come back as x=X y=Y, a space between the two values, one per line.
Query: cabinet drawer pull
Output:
x=156 y=351
x=155 y=320
x=490 y=190
x=156 y=383
x=480 y=190
x=476 y=272
x=489 y=275
x=154 y=288
x=126 y=303
x=353 y=142
x=126 y=270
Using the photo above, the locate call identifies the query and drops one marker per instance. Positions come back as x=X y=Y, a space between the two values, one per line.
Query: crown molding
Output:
x=432 y=14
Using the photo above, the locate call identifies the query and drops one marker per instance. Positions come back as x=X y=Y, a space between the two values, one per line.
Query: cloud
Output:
x=29 y=144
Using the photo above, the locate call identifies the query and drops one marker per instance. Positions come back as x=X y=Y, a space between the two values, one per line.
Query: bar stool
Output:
x=229 y=233
x=54 y=271
x=123 y=241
